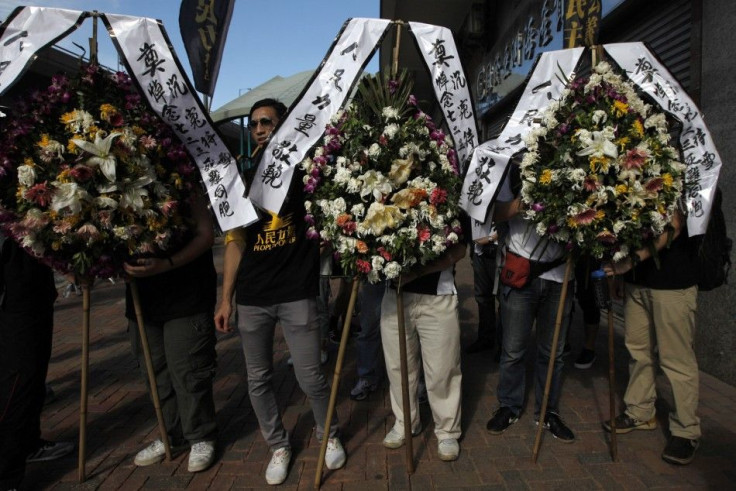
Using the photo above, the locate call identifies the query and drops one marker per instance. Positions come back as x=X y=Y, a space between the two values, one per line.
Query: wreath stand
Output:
x=553 y=355
x=81 y=470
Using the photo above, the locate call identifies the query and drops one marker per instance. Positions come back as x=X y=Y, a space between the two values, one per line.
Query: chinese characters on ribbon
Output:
x=700 y=154
x=144 y=45
x=490 y=159
x=450 y=85
x=305 y=122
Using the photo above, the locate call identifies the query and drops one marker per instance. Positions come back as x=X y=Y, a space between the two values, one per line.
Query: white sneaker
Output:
x=335 y=454
x=394 y=439
x=448 y=449
x=278 y=468
x=152 y=454
x=201 y=456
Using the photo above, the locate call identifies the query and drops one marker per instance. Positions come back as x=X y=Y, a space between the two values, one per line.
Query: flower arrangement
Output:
x=600 y=175
x=383 y=186
x=89 y=177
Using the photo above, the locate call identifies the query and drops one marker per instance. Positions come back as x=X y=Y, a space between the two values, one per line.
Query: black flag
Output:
x=204 y=25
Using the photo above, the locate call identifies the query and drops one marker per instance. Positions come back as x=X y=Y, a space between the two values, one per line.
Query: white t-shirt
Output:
x=523 y=240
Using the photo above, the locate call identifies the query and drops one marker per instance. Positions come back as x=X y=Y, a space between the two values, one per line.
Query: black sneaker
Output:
x=627 y=424
x=50 y=451
x=558 y=428
x=680 y=451
x=502 y=419
x=585 y=359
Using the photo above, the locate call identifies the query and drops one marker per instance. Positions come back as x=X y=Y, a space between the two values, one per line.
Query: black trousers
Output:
x=25 y=350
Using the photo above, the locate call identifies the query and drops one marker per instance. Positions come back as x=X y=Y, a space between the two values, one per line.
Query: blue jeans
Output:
x=370 y=365
x=539 y=300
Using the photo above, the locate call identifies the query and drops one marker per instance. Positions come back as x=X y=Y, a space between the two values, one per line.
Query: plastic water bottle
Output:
x=599 y=283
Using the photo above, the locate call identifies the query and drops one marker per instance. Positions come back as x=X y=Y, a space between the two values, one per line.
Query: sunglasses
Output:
x=265 y=122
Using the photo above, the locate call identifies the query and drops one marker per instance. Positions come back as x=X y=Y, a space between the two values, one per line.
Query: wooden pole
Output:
x=611 y=378
x=336 y=382
x=81 y=474
x=149 y=367
x=405 y=401
x=552 y=356
x=395 y=52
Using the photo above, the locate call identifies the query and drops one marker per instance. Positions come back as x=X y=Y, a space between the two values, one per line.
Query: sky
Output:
x=266 y=37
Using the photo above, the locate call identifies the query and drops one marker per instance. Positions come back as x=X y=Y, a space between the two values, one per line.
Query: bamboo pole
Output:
x=336 y=382
x=134 y=292
x=405 y=401
x=552 y=356
x=81 y=474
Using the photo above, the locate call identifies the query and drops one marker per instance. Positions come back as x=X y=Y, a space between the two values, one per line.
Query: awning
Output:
x=285 y=90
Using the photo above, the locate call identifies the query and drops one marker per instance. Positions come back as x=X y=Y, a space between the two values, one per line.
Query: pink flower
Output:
x=654 y=185
x=635 y=159
x=384 y=253
x=606 y=237
x=585 y=218
x=590 y=184
x=39 y=194
x=81 y=173
x=438 y=196
x=423 y=234
x=363 y=266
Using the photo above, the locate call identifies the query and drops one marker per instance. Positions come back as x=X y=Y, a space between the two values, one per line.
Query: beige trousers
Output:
x=660 y=327
x=432 y=339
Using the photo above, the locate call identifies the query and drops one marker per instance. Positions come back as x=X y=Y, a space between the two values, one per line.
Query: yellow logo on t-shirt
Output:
x=277 y=232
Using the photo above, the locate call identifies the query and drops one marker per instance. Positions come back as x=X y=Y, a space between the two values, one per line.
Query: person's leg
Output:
x=438 y=328
x=673 y=312
x=25 y=349
x=484 y=270
x=166 y=393
x=192 y=361
x=551 y=293
x=391 y=353
x=639 y=337
x=256 y=326
x=518 y=307
x=301 y=331
x=368 y=343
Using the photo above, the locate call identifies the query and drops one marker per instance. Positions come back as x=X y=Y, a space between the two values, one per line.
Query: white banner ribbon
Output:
x=306 y=121
x=551 y=75
x=27 y=30
x=151 y=62
x=700 y=154
x=450 y=86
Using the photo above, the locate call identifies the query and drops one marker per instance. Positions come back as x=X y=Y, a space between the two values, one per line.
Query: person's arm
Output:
x=204 y=237
x=234 y=247
x=626 y=264
x=505 y=211
x=446 y=260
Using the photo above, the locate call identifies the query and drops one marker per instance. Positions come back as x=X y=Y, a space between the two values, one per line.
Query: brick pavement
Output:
x=121 y=420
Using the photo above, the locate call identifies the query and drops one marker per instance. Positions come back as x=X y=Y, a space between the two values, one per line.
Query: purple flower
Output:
x=412 y=100
x=552 y=229
x=312 y=233
x=392 y=86
x=538 y=207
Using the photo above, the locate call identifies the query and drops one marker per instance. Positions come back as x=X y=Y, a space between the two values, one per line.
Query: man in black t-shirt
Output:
x=659 y=311
x=272 y=269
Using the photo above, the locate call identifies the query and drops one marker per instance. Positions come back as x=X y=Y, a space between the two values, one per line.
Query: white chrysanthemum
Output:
x=377 y=263
x=541 y=229
x=353 y=185
x=337 y=206
x=599 y=116
x=391 y=130
x=357 y=210
x=342 y=176
x=26 y=175
x=621 y=254
x=390 y=113
x=392 y=270
x=618 y=226
x=374 y=150
x=374 y=184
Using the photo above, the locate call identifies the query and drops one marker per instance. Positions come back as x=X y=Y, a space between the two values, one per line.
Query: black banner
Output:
x=582 y=23
x=204 y=25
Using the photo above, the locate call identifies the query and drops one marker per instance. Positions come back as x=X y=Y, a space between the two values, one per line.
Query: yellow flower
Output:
x=599 y=164
x=638 y=129
x=600 y=214
x=667 y=179
x=660 y=208
x=620 y=108
x=64 y=176
x=56 y=245
x=138 y=130
x=546 y=177
x=107 y=111
x=44 y=142
x=635 y=215
x=381 y=217
x=622 y=142
x=621 y=189
x=401 y=170
x=29 y=162
x=571 y=222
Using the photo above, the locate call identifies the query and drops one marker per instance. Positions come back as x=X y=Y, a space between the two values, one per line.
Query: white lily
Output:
x=133 y=192
x=599 y=144
x=69 y=195
x=100 y=150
